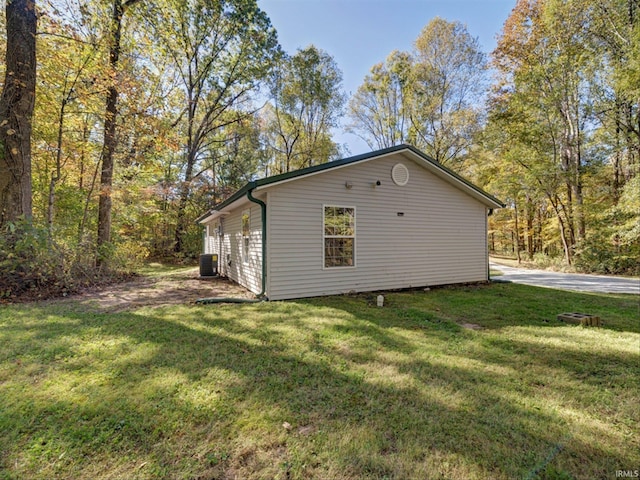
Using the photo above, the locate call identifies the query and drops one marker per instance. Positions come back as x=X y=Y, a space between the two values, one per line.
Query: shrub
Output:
x=128 y=256
x=30 y=261
x=543 y=261
x=598 y=255
x=34 y=265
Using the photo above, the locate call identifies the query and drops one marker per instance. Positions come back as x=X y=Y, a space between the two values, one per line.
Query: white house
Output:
x=389 y=219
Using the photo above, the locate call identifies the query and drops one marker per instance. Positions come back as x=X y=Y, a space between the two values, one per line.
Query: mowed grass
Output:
x=326 y=388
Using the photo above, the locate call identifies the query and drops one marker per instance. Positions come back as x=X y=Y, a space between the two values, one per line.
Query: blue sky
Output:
x=361 y=33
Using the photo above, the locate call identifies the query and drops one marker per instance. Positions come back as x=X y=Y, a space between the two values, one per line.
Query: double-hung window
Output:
x=339 y=236
x=246 y=230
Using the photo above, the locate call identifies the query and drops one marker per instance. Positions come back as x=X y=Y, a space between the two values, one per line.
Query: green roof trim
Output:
x=340 y=163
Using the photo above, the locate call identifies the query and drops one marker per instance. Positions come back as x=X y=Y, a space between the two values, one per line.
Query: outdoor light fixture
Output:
x=348 y=185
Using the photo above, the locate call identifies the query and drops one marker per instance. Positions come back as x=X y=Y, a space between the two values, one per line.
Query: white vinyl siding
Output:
x=245 y=270
x=439 y=238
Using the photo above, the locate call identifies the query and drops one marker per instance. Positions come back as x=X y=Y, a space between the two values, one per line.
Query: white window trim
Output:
x=245 y=246
x=354 y=236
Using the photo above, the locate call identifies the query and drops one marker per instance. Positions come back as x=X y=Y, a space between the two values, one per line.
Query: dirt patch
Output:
x=471 y=326
x=178 y=288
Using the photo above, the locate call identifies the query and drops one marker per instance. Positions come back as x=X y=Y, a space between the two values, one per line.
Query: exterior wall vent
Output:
x=400 y=174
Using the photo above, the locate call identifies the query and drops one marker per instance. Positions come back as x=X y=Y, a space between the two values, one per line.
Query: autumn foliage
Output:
x=200 y=99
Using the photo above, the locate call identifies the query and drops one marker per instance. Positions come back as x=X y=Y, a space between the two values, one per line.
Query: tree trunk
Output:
x=581 y=226
x=517 y=233
x=181 y=221
x=530 y=217
x=576 y=164
x=618 y=174
x=109 y=143
x=185 y=191
x=538 y=233
x=85 y=212
x=562 y=226
x=16 y=110
x=55 y=176
x=632 y=139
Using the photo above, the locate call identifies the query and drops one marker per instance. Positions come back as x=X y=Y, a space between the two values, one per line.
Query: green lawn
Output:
x=328 y=388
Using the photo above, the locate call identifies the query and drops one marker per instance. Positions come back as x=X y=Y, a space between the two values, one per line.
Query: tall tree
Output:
x=16 y=111
x=65 y=72
x=541 y=59
x=111 y=111
x=450 y=81
x=431 y=98
x=380 y=109
x=614 y=39
x=221 y=51
x=308 y=100
x=67 y=135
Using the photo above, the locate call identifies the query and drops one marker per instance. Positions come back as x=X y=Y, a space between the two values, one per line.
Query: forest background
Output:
x=122 y=121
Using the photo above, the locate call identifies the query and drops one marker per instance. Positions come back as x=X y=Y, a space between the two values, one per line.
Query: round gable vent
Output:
x=400 y=174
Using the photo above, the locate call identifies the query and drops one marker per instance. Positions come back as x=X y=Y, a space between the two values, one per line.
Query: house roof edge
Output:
x=264 y=182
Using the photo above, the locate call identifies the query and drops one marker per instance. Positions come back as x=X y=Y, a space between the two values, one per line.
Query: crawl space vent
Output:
x=400 y=174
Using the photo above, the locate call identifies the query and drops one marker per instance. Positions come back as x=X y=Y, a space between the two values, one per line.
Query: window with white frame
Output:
x=246 y=230
x=339 y=236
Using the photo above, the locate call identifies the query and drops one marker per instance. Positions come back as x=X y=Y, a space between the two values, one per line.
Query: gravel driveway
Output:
x=567 y=281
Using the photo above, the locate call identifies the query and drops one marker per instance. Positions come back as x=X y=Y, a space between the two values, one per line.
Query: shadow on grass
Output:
x=204 y=392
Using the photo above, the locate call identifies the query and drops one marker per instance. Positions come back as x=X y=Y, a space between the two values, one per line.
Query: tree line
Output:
x=123 y=120
x=562 y=140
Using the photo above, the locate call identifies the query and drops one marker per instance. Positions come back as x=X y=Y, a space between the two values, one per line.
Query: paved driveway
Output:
x=568 y=281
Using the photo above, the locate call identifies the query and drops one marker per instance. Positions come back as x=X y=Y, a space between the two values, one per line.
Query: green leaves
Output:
x=307 y=96
x=558 y=130
x=429 y=98
x=380 y=110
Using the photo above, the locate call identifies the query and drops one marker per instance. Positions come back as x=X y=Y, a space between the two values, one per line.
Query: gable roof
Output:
x=429 y=163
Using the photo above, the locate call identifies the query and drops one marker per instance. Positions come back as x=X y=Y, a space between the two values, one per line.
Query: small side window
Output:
x=339 y=236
